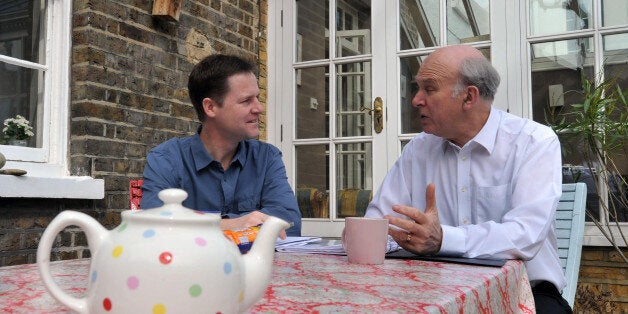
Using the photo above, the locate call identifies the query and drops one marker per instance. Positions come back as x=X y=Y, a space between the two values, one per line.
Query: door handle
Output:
x=377 y=112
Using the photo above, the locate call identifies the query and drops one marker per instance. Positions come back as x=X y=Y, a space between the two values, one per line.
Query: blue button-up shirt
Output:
x=255 y=180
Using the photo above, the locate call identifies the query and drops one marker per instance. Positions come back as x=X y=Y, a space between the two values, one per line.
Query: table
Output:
x=303 y=283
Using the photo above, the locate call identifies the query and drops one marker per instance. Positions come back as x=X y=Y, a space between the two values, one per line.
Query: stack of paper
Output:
x=314 y=245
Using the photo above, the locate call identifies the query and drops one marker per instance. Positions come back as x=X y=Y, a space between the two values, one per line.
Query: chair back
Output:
x=570 y=233
x=135 y=193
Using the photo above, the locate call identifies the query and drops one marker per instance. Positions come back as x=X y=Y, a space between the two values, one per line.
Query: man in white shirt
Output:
x=477 y=182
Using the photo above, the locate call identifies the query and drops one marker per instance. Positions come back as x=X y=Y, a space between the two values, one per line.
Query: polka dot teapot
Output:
x=165 y=260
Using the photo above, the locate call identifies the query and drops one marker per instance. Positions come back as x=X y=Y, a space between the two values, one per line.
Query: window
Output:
x=33 y=32
x=34 y=83
x=568 y=40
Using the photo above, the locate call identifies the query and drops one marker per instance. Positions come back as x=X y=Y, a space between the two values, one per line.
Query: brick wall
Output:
x=129 y=93
x=602 y=282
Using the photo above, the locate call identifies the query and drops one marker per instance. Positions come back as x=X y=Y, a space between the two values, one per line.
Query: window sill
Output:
x=594 y=237
x=49 y=187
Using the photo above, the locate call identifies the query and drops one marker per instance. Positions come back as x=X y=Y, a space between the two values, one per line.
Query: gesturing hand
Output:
x=422 y=233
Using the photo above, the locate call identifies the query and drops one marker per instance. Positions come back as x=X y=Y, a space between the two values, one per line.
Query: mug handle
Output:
x=95 y=233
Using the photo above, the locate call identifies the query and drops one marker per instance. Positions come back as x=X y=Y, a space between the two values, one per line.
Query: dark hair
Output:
x=209 y=79
x=480 y=73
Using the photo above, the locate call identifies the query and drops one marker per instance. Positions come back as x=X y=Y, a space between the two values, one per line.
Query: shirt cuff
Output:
x=453 y=241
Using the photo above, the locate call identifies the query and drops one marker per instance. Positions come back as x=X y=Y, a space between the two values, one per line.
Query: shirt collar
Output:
x=203 y=159
x=487 y=135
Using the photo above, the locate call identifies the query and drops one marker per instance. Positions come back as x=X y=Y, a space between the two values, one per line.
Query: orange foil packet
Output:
x=243 y=238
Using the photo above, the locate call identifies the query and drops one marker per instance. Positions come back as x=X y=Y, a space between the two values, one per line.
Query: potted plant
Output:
x=17 y=131
x=596 y=132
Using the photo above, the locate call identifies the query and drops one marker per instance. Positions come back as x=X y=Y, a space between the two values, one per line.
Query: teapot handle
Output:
x=95 y=235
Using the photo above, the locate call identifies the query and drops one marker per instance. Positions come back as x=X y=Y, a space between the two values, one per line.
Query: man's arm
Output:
x=158 y=175
x=277 y=197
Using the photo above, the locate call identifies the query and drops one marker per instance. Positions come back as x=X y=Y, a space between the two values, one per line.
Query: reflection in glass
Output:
x=22 y=24
x=354 y=179
x=353 y=28
x=312 y=21
x=353 y=92
x=557 y=67
x=419 y=24
x=312 y=120
x=468 y=21
x=614 y=12
x=409 y=67
x=554 y=17
x=313 y=180
x=616 y=67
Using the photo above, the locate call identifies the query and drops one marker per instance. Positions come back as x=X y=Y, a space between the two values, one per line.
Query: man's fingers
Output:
x=399 y=223
x=414 y=214
x=430 y=198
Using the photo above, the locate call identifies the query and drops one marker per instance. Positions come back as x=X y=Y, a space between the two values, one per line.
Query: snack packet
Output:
x=243 y=238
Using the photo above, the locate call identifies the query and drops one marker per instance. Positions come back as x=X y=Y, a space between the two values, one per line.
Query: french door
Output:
x=340 y=95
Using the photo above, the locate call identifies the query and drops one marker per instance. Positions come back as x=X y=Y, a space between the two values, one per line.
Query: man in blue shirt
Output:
x=222 y=167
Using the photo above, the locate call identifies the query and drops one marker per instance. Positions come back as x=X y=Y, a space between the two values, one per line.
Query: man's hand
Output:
x=249 y=220
x=422 y=234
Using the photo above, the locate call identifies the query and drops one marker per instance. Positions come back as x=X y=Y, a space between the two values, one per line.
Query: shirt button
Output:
x=465 y=221
x=464 y=158
x=464 y=189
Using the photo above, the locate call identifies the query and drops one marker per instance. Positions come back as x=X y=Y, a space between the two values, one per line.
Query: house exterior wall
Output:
x=602 y=282
x=128 y=93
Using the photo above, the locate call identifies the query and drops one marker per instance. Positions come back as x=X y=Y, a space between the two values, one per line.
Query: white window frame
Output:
x=47 y=167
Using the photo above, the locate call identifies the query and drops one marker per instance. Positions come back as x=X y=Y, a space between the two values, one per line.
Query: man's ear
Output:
x=472 y=95
x=209 y=106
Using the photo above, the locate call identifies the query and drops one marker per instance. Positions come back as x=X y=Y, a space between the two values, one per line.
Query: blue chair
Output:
x=570 y=232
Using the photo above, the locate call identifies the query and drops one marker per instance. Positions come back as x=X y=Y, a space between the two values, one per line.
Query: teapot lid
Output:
x=172 y=209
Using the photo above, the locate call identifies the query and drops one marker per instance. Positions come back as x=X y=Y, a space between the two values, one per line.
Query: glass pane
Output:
x=419 y=25
x=21 y=27
x=312 y=21
x=312 y=120
x=353 y=28
x=19 y=95
x=354 y=179
x=409 y=67
x=313 y=180
x=554 y=17
x=21 y=24
x=353 y=93
x=616 y=67
x=557 y=67
x=614 y=12
x=468 y=21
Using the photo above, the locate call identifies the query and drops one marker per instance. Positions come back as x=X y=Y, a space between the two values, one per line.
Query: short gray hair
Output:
x=480 y=73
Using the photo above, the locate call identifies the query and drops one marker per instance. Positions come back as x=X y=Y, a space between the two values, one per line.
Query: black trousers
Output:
x=547 y=299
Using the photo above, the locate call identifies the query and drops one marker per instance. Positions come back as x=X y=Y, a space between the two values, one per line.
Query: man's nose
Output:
x=257 y=107
x=418 y=99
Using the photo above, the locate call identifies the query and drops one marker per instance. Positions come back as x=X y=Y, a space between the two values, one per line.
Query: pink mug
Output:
x=364 y=240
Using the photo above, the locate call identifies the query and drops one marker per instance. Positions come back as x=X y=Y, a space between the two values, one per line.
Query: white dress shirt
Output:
x=496 y=196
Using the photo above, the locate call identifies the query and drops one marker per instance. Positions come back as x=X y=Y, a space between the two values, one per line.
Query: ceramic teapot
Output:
x=169 y=259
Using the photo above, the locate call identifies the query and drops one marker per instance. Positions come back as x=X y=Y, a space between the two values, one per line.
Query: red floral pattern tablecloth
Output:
x=323 y=283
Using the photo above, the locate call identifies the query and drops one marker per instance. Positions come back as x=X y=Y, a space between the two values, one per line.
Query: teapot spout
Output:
x=258 y=261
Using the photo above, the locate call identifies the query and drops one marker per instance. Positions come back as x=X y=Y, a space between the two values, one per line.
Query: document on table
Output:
x=315 y=245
